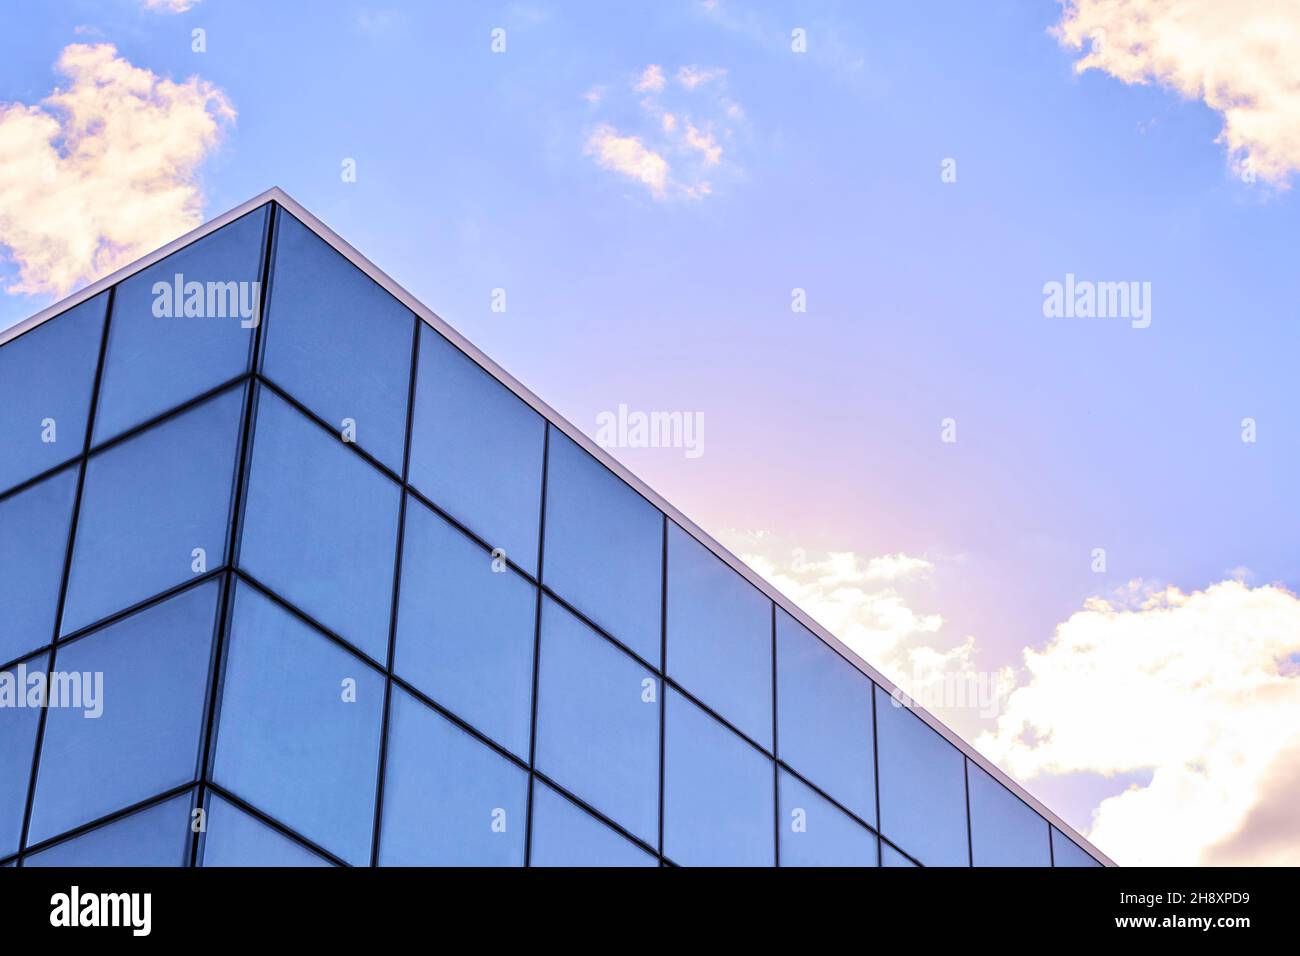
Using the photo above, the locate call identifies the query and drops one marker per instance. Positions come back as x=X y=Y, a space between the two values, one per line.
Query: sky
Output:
x=827 y=233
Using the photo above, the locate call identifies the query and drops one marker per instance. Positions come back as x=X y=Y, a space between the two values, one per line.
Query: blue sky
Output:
x=477 y=171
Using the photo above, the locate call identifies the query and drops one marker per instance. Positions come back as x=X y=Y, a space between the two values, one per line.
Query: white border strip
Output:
x=435 y=321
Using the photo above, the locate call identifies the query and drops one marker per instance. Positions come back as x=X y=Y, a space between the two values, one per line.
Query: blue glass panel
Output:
x=155 y=836
x=476 y=450
x=1004 y=831
x=564 y=834
x=604 y=547
x=891 y=857
x=33 y=543
x=337 y=342
x=150 y=699
x=922 y=787
x=320 y=526
x=598 y=723
x=148 y=503
x=235 y=838
x=1065 y=852
x=719 y=636
x=465 y=632
x=163 y=349
x=299 y=727
x=815 y=832
x=17 y=740
x=717 y=793
x=449 y=799
x=824 y=718
x=46 y=377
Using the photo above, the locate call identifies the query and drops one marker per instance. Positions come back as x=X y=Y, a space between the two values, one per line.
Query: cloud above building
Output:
x=170 y=6
x=1196 y=695
x=674 y=136
x=104 y=169
x=1199 y=690
x=865 y=602
x=1238 y=58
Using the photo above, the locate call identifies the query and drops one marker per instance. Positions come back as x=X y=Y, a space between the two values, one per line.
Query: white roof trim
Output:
x=436 y=322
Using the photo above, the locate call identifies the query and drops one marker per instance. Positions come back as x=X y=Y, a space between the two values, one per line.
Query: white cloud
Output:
x=1239 y=58
x=104 y=170
x=693 y=76
x=1198 y=694
x=677 y=149
x=651 y=80
x=170 y=6
x=630 y=156
x=703 y=143
x=1200 y=690
x=858 y=600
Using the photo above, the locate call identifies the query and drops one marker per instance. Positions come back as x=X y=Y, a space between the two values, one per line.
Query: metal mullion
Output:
x=970 y=845
x=564 y=603
x=590 y=810
x=110 y=818
x=539 y=596
x=663 y=673
x=825 y=796
x=382 y=768
x=311 y=416
x=234 y=531
x=468 y=532
x=875 y=769
x=67 y=571
x=270 y=821
x=776 y=758
x=28 y=483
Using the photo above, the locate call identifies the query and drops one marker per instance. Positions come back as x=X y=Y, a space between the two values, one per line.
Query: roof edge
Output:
x=438 y=324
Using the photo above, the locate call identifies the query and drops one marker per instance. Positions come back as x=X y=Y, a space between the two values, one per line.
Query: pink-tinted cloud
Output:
x=104 y=169
x=1238 y=57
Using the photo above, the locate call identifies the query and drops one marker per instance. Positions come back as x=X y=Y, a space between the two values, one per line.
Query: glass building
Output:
x=304 y=579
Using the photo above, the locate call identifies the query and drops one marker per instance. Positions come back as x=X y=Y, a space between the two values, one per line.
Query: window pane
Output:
x=814 y=832
x=155 y=836
x=17 y=740
x=449 y=800
x=824 y=710
x=922 y=787
x=235 y=838
x=148 y=504
x=33 y=542
x=162 y=350
x=564 y=834
x=717 y=793
x=476 y=450
x=598 y=723
x=1065 y=852
x=46 y=377
x=320 y=526
x=604 y=547
x=150 y=700
x=299 y=728
x=1004 y=831
x=719 y=636
x=891 y=857
x=337 y=342
x=465 y=632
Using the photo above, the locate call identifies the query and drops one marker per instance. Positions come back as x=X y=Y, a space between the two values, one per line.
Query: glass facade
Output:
x=304 y=585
